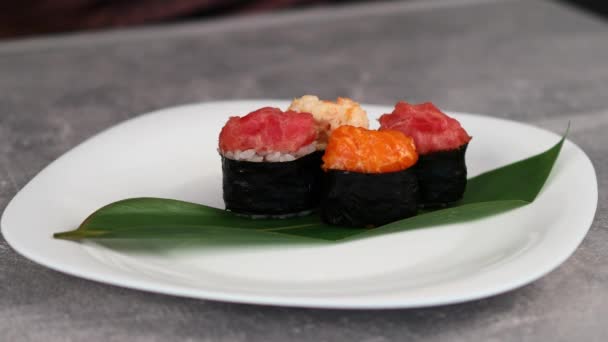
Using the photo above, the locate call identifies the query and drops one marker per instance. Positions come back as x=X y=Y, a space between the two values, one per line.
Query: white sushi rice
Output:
x=252 y=155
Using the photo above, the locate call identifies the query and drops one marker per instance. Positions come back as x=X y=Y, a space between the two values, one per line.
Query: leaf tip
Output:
x=66 y=236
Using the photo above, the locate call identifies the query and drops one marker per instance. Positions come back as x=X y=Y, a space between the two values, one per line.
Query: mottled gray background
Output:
x=533 y=61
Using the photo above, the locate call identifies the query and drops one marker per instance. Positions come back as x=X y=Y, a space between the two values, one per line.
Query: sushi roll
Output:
x=441 y=143
x=270 y=164
x=330 y=115
x=369 y=177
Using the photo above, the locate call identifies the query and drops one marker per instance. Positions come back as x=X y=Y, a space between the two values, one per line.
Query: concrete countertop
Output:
x=539 y=62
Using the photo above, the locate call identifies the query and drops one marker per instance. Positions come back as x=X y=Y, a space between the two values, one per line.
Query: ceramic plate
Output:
x=172 y=153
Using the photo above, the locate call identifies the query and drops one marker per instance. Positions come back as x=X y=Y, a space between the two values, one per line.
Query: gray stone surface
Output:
x=533 y=61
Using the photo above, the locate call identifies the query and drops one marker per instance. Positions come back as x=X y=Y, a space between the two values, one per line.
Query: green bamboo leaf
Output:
x=521 y=180
x=490 y=193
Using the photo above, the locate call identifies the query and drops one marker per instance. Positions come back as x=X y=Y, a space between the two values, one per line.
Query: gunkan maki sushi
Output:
x=441 y=143
x=369 y=177
x=270 y=163
x=330 y=115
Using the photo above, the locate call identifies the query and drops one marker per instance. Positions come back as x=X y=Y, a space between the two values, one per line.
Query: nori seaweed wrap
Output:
x=270 y=164
x=272 y=189
x=369 y=178
x=442 y=177
x=441 y=143
x=354 y=199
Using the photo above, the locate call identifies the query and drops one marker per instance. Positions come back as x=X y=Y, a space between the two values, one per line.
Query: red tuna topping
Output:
x=268 y=130
x=431 y=129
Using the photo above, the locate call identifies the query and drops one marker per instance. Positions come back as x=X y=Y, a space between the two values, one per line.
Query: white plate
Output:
x=172 y=153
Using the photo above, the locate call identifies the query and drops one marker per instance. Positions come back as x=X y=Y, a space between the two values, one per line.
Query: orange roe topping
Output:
x=366 y=151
